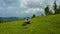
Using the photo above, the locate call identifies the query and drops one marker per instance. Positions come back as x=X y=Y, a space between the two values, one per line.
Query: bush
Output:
x=33 y=16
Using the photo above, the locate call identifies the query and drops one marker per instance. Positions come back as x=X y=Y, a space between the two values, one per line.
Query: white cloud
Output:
x=58 y=2
x=23 y=6
x=10 y=8
x=35 y=3
x=24 y=0
x=33 y=10
x=27 y=3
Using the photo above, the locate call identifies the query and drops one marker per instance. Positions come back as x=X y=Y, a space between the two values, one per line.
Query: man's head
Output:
x=27 y=18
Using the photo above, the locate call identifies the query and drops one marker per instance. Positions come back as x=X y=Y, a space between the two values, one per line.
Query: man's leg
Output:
x=24 y=23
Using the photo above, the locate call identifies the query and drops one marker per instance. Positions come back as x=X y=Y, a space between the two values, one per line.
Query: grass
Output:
x=41 y=25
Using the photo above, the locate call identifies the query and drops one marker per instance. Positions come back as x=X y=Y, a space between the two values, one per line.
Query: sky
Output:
x=23 y=8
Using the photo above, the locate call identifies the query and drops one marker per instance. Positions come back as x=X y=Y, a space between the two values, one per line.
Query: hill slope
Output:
x=41 y=25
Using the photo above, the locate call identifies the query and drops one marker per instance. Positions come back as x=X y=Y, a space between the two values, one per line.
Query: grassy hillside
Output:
x=41 y=25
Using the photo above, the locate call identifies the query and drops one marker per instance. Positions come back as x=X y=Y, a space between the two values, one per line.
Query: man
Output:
x=27 y=21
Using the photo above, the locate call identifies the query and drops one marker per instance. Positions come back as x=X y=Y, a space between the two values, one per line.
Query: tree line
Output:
x=56 y=10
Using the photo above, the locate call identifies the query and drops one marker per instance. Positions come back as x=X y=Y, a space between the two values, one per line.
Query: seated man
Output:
x=27 y=21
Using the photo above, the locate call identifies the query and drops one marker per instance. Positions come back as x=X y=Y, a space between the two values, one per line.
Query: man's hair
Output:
x=27 y=19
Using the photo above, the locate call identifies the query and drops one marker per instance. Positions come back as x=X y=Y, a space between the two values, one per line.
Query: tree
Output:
x=59 y=9
x=0 y=20
x=33 y=16
x=55 y=7
x=46 y=10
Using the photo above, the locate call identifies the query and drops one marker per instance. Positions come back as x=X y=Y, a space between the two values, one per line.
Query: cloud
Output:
x=24 y=0
x=58 y=2
x=32 y=11
x=36 y=3
x=23 y=5
x=10 y=8
x=6 y=3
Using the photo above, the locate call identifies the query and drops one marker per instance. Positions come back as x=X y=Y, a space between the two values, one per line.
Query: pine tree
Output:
x=47 y=10
x=59 y=9
x=55 y=7
x=33 y=16
x=0 y=20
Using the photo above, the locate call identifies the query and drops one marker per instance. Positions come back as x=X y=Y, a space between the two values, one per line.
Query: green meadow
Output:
x=40 y=25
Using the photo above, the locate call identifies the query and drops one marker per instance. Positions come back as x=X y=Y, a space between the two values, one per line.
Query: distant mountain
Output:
x=9 y=18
